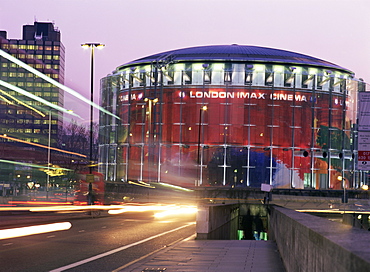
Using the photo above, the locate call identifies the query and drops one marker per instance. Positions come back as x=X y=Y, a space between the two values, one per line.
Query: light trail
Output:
x=43 y=146
x=31 y=230
x=20 y=102
x=50 y=80
x=34 y=97
x=35 y=165
x=176 y=211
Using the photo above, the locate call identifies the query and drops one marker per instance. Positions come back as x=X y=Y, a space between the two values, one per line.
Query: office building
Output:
x=27 y=125
x=23 y=117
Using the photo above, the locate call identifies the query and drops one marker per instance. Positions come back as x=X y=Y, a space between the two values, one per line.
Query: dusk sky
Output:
x=333 y=30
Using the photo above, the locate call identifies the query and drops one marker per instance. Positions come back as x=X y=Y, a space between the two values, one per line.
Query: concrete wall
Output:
x=310 y=243
x=217 y=222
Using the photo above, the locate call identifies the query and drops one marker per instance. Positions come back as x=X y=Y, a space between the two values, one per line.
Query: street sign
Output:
x=90 y=178
x=363 y=158
x=364 y=111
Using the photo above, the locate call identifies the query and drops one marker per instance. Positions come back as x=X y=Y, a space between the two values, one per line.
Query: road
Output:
x=94 y=244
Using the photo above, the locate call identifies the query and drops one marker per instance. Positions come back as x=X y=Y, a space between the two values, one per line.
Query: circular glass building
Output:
x=230 y=115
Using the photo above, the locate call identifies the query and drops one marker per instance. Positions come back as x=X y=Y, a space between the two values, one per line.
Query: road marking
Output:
x=63 y=268
x=151 y=253
x=50 y=236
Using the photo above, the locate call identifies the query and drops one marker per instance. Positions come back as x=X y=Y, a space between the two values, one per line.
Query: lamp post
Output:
x=200 y=161
x=48 y=172
x=92 y=46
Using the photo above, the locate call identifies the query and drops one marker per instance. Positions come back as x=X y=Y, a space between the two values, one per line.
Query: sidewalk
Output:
x=212 y=255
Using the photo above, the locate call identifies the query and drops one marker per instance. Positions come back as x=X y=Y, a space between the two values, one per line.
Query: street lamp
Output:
x=92 y=46
x=200 y=161
x=48 y=172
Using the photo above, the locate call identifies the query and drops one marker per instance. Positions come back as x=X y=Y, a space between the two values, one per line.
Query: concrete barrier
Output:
x=310 y=243
x=217 y=222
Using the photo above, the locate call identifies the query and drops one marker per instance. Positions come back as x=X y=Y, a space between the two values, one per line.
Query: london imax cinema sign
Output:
x=251 y=95
x=229 y=95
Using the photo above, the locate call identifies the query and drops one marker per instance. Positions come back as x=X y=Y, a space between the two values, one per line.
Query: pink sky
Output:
x=333 y=30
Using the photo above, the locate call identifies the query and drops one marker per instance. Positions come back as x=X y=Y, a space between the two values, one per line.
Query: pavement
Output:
x=211 y=255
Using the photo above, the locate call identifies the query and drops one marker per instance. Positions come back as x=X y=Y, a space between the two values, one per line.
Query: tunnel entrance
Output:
x=253 y=222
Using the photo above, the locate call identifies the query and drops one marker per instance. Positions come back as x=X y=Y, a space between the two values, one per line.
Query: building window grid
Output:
x=302 y=80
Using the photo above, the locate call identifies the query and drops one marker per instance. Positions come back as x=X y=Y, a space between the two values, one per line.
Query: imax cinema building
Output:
x=230 y=115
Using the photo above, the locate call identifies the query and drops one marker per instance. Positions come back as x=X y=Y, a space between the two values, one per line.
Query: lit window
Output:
x=37 y=122
x=56 y=48
x=56 y=57
x=38 y=56
x=207 y=73
x=248 y=77
x=22 y=46
x=40 y=47
x=28 y=130
x=47 y=47
x=55 y=76
x=39 y=66
x=48 y=57
x=4 y=74
x=36 y=130
x=269 y=76
x=4 y=64
x=30 y=56
x=47 y=94
x=31 y=47
x=21 y=74
x=5 y=46
x=29 y=84
x=48 y=66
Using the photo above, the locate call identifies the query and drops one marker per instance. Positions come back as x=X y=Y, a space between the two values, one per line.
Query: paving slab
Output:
x=212 y=255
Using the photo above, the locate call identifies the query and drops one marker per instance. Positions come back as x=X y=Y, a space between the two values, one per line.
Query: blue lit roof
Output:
x=237 y=53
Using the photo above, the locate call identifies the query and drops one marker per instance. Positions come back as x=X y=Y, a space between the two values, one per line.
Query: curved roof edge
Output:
x=236 y=53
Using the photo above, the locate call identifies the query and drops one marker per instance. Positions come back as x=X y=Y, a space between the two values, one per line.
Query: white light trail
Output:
x=52 y=81
x=25 y=231
x=34 y=97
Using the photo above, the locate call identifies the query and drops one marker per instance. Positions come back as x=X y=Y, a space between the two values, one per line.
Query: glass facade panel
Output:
x=265 y=124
